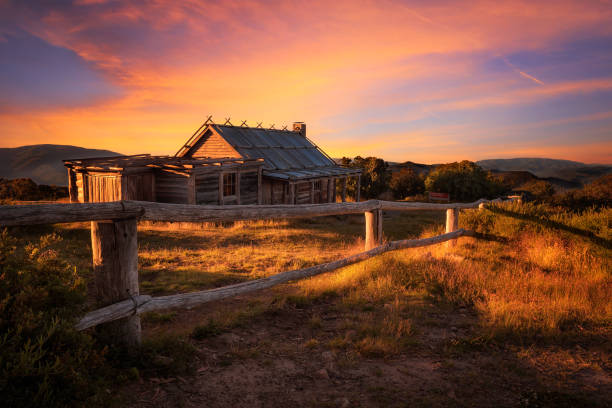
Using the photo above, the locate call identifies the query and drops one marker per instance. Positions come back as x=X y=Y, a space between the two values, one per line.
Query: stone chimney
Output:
x=300 y=127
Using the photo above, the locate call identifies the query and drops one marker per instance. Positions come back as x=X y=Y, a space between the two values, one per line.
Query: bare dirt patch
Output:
x=295 y=355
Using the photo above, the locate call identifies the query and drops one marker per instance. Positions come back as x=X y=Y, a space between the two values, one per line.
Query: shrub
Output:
x=464 y=181
x=406 y=183
x=541 y=190
x=597 y=194
x=374 y=176
x=44 y=361
x=26 y=189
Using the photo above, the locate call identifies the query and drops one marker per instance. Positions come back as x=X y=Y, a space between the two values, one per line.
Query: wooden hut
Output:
x=165 y=179
x=295 y=171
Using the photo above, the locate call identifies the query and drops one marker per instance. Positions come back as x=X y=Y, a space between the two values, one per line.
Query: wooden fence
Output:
x=115 y=247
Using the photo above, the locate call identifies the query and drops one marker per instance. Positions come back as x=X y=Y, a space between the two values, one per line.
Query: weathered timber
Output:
x=147 y=304
x=452 y=224
x=373 y=229
x=407 y=206
x=259 y=187
x=191 y=213
x=358 y=190
x=115 y=265
x=11 y=215
x=73 y=190
x=343 y=195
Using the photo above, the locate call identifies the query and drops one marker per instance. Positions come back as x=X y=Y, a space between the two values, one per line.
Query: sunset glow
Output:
x=403 y=80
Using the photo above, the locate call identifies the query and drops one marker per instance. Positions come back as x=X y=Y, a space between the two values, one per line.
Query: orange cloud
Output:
x=285 y=61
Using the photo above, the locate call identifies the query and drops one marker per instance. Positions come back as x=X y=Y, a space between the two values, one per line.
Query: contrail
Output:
x=521 y=73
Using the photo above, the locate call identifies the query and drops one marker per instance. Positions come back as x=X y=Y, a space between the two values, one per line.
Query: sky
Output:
x=426 y=81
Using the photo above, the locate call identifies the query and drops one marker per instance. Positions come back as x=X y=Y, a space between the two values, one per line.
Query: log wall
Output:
x=207 y=188
x=248 y=187
x=171 y=187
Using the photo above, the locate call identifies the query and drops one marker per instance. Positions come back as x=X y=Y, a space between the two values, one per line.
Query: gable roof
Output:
x=288 y=155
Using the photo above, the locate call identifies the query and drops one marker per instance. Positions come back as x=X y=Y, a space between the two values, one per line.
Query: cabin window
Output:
x=229 y=184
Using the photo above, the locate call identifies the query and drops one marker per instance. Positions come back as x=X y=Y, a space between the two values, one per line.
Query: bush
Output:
x=24 y=189
x=464 y=181
x=597 y=194
x=540 y=190
x=374 y=176
x=406 y=183
x=44 y=361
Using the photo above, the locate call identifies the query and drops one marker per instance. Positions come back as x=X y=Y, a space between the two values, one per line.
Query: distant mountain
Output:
x=574 y=173
x=43 y=163
x=418 y=168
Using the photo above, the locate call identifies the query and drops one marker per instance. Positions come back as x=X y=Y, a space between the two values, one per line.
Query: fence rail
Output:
x=14 y=215
x=115 y=248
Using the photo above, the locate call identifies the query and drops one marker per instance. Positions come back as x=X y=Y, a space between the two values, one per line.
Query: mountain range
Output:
x=43 y=163
x=561 y=173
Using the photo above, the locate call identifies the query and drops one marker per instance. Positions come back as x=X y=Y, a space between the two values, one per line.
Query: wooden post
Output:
x=452 y=224
x=123 y=179
x=115 y=265
x=481 y=206
x=373 y=229
x=73 y=191
x=259 y=187
x=312 y=200
x=85 y=187
x=153 y=191
x=238 y=187
x=343 y=189
x=292 y=193
x=358 y=192
x=220 y=188
x=191 y=189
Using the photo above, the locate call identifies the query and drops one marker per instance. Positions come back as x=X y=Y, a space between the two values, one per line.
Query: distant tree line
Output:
x=466 y=181
x=24 y=189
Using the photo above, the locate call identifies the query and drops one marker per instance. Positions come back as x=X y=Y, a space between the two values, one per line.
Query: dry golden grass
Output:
x=533 y=291
x=525 y=279
x=536 y=283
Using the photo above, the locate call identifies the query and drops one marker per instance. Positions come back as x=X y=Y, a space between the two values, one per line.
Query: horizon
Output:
x=340 y=157
x=433 y=84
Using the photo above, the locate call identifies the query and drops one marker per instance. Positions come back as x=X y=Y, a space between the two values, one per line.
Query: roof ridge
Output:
x=254 y=128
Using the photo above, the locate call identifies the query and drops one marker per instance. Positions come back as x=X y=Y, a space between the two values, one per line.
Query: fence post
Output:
x=115 y=263
x=373 y=229
x=452 y=224
x=481 y=206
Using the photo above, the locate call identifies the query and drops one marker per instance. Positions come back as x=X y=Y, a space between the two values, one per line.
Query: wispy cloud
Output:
x=333 y=64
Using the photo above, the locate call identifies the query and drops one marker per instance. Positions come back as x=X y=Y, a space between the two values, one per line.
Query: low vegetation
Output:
x=518 y=316
x=24 y=189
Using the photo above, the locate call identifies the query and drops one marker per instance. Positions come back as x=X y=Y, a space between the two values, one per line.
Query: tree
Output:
x=406 y=183
x=374 y=176
x=539 y=189
x=464 y=181
x=596 y=194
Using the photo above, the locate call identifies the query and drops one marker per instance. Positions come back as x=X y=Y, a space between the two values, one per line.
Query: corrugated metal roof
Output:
x=310 y=173
x=287 y=154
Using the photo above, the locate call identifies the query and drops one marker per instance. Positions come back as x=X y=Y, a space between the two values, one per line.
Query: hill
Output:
x=418 y=168
x=575 y=173
x=43 y=163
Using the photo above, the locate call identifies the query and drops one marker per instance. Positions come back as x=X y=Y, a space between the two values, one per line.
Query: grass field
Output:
x=520 y=316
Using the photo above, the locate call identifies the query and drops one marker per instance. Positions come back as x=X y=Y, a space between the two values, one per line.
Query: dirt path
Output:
x=295 y=355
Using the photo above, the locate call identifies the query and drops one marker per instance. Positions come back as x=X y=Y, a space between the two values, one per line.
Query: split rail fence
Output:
x=115 y=247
